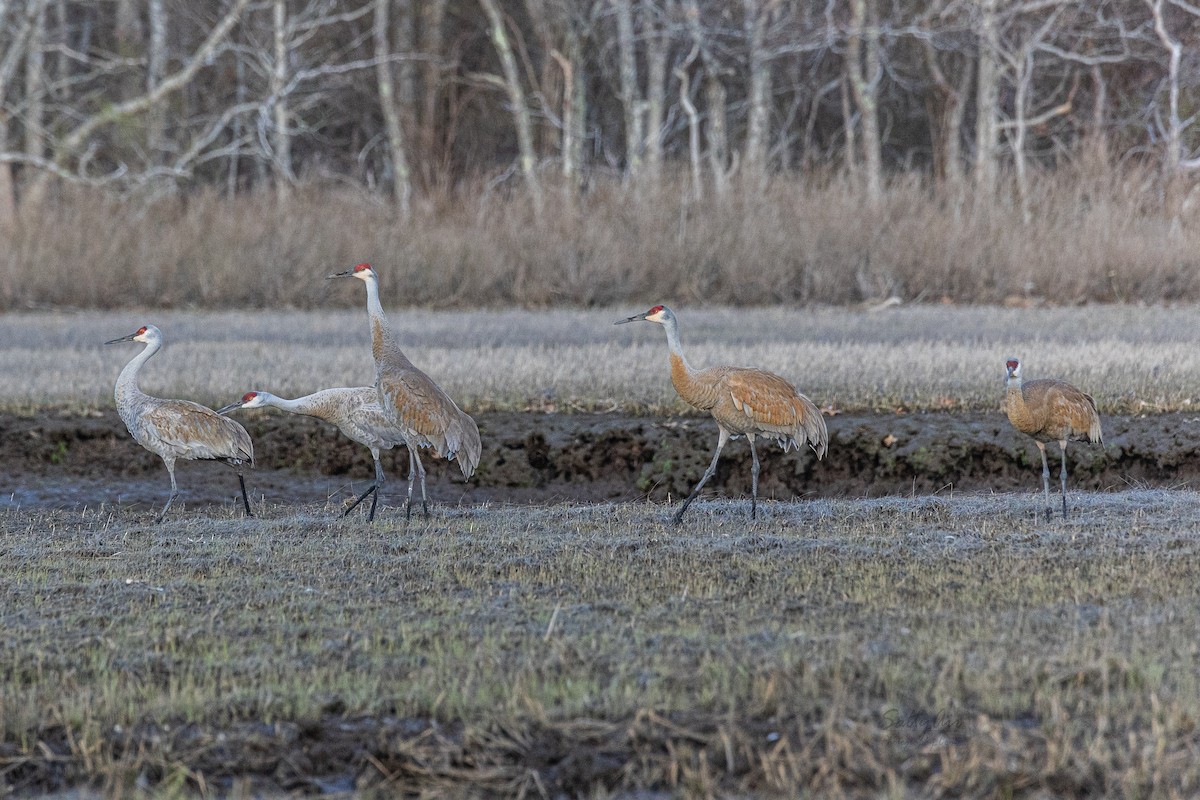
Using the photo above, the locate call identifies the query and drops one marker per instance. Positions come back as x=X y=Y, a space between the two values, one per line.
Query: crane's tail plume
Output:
x=470 y=447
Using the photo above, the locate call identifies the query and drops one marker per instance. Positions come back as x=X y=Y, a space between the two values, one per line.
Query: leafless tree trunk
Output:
x=21 y=33
x=987 y=100
x=1175 y=160
x=657 y=52
x=156 y=67
x=35 y=87
x=863 y=73
x=850 y=151
x=516 y=97
x=130 y=44
x=281 y=136
x=759 y=116
x=693 y=118
x=630 y=95
x=1022 y=63
x=715 y=100
x=401 y=183
x=429 y=125
x=946 y=106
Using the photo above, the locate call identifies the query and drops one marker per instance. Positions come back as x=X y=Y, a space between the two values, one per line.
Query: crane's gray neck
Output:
x=127 y=381
x=374 y=307
x=671 y=325
x=297 y=406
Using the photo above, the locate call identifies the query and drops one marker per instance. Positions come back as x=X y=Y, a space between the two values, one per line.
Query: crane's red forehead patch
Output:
x=141 y=330
x=248 y=396
x=1013 y=364
x=362 y=266
x=655 y=310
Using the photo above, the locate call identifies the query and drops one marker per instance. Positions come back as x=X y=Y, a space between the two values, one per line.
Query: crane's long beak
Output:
x=230 y=407
x=347 y=274
x=128 y=338
x=634 y=318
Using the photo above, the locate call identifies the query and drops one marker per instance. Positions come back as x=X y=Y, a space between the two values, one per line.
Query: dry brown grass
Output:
x=1132 y=359
x=901 y=647
x=1095 y=236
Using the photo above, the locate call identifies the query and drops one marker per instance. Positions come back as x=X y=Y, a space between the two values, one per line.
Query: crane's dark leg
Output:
x=753 y=478
x=708 y=473
x=378 y=485
x=245 y=498
x=373 y=489
x=421 y=472
x=412 y=476
x=174 y=490
x=1045 y=479
x=1063 y=446
x=370 y=490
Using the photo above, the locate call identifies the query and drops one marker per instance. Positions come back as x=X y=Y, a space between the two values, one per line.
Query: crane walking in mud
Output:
x=410 y=399
x=174 y=429
x=744 y=401
x=1050 y=410
x=357 y=414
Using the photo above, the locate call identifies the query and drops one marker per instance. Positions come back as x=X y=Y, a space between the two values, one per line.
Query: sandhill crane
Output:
x=174 y=429
x=410 y=399
x=744 y=402
x=356 y=413
x=1050 y=410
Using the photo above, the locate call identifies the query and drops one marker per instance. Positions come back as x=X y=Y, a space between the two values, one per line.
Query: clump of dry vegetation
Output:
x=1131 y=359
x=801 y=240
x=928 y=646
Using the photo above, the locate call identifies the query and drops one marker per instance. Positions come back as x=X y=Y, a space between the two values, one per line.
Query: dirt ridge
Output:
x=63 y=459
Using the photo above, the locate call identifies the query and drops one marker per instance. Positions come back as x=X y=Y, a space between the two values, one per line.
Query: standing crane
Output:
x=744 y=401
x=174 y=429
x=356 y=413
x=410 y=399
x=1050 y=410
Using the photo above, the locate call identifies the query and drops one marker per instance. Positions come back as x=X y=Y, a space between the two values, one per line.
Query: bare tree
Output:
x=281 y=137
x=863 y=71
x=631 y=97
x=19 y=33
x=401 y=183
x=1177 y=157
x=987 y=99
x=511 y=83
x=757 y=15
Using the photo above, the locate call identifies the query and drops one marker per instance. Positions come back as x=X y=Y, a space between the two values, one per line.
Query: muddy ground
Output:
x=64 y=460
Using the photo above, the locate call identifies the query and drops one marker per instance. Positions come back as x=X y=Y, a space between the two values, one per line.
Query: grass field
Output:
x=899 y=647
x=909 y=646
x=1131 y=359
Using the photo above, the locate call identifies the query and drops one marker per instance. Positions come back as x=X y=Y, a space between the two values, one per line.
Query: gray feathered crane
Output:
x=357 y=414
x=744 y=401
x=410 y=399
x=175 y=429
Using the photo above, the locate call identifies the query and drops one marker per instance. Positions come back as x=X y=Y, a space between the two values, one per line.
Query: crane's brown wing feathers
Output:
x=1060 y=411
x=772 y=406
x=193 y=431
x=422 y=407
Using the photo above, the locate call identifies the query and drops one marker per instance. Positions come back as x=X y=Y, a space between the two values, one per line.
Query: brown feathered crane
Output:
x=409 y=398
x=744 y=401
x=1050 y=410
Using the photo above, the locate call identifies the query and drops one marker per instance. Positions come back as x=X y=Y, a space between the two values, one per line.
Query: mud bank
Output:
x=62 y=460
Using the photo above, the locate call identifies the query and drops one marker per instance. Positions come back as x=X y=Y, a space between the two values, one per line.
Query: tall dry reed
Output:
x=1092 y=235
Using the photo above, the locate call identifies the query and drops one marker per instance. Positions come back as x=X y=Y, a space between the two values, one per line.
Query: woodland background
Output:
x=585 y=152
